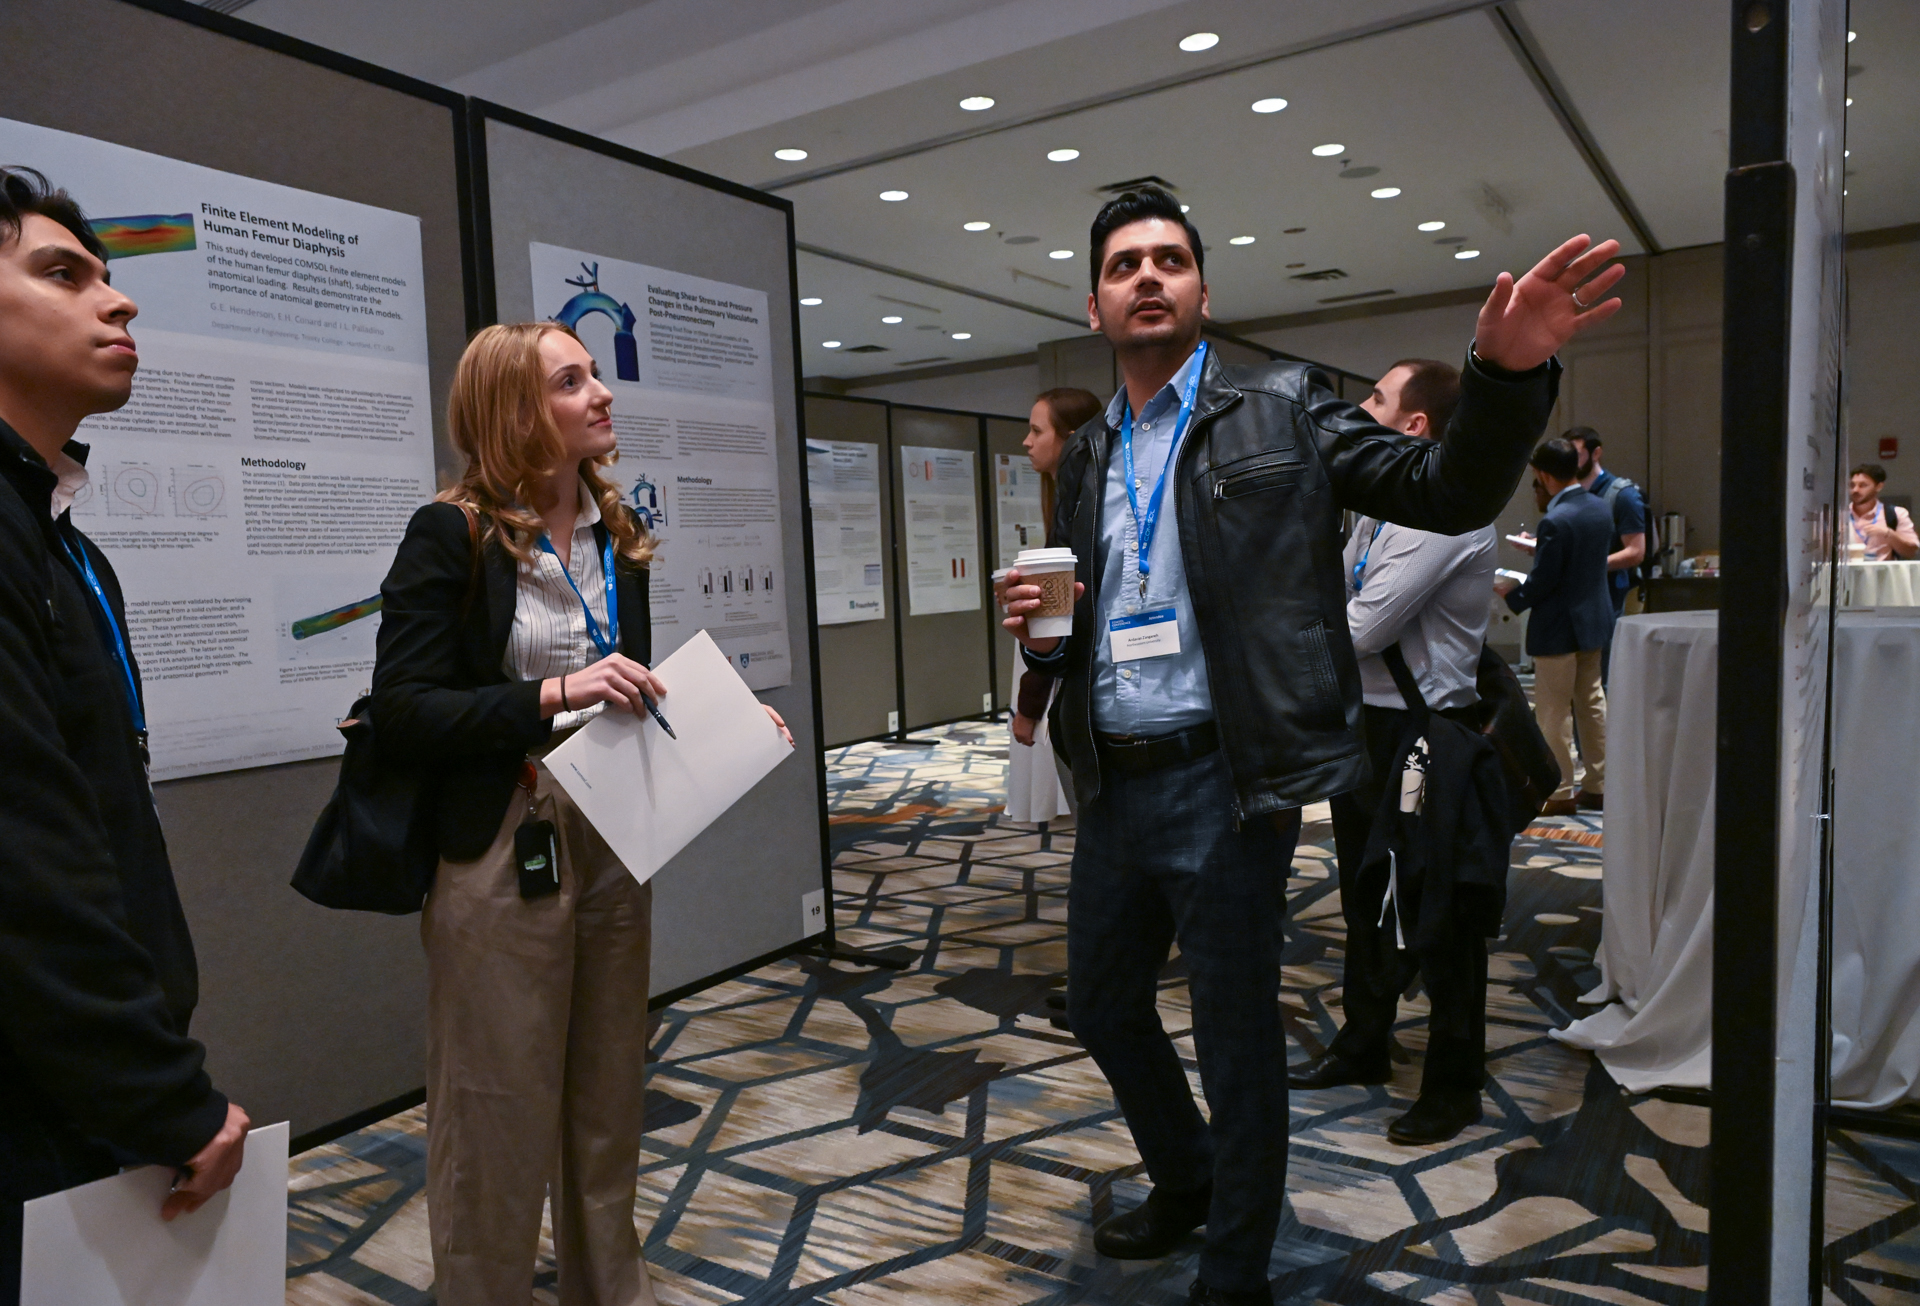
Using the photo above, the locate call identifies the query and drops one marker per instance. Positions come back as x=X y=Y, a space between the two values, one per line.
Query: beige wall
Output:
x=1883 y=347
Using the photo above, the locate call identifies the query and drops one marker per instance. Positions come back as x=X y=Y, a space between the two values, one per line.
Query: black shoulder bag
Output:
x=374 y=846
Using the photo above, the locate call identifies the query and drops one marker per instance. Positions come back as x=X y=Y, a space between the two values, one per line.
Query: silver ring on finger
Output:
x=1578 y=302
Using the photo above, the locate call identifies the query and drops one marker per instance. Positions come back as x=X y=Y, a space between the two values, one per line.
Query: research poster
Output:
x=843 y=489
x=690 y=364
x=252 y=492
x=943 y=530
x=1022 y=520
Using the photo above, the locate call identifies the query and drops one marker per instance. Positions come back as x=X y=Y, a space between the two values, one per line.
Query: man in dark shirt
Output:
x=1627 y=552
x=97 y=977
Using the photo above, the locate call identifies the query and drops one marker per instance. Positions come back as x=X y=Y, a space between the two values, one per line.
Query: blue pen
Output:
x=655 y=712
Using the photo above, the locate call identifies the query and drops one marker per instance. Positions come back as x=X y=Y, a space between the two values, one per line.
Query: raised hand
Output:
x=1526 y=322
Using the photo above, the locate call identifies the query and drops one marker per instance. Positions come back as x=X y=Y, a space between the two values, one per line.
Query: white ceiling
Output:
x=1434 y=94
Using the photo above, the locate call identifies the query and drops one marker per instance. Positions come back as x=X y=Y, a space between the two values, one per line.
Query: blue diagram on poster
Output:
x=645 y=498
x=591 y=299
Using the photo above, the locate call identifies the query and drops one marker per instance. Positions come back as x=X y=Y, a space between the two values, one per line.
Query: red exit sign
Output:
x=1889 y=448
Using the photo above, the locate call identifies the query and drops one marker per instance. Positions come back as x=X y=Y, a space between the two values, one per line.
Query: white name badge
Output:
x=1144 y=635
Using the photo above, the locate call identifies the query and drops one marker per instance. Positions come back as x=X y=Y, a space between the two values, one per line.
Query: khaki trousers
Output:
x=536 y=1058
x=1565 y=686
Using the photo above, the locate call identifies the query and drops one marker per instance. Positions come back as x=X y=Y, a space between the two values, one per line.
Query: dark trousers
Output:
x=37 y=1157
x=1454 y=970
x=1158 y=860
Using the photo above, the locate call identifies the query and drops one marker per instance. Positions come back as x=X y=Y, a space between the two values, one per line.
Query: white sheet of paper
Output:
x=649 y=795
x=105 y=1244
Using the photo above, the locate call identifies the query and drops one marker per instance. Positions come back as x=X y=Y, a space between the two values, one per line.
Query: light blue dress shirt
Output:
x=1147 y=696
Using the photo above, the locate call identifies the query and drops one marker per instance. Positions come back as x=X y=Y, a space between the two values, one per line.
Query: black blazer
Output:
x=1567 y=589
x=442 y=699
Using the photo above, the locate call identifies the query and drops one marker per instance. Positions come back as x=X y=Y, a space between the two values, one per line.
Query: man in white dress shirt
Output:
x=1429 y=594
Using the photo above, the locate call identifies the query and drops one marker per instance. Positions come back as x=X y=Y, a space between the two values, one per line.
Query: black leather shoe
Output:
x=1587 y=802
x=1331 y=1072
x=1437 y=1116
x=1155 y=1227
x=1202 y=1295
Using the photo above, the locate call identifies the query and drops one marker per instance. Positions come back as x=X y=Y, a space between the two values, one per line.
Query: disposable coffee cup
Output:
x=1052 y=571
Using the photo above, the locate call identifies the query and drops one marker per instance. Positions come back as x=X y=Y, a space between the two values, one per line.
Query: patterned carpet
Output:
x=821 y=1133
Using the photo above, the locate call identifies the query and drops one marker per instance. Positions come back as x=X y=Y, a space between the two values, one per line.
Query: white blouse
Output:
x=549 y=629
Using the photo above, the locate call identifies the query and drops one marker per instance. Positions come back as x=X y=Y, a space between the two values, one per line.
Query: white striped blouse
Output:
x=549 y=629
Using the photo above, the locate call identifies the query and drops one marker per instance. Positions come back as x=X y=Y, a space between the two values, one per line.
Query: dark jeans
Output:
x=1157 y=860
x=1377 y=972
x=38 y=1157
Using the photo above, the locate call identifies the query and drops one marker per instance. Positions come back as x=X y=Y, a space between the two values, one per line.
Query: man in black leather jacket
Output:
x=1211 y=690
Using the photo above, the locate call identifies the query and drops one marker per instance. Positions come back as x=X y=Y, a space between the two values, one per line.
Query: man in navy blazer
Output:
x=1572 y=621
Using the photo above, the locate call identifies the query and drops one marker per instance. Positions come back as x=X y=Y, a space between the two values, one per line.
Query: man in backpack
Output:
x=1425 y=594
x=1627 y=552
x=1884 y=532
x=97 y=977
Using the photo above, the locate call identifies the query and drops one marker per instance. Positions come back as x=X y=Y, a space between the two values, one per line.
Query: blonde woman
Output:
x=537 y=938
x=1035 y=789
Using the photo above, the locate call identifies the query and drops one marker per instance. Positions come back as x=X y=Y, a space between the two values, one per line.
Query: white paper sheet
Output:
x=649 y=795
x=104 y=1243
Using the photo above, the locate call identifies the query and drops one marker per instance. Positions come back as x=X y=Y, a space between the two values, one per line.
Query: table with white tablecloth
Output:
x=1656 y=956
x=1880 y=585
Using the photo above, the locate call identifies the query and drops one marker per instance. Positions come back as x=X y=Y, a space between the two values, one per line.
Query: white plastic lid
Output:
x=1041 y=557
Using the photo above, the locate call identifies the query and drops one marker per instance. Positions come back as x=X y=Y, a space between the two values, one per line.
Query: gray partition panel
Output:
x=734 y=895
x=945 y=657
x=308 y=1015
x=859 y=671
x=1004 y=435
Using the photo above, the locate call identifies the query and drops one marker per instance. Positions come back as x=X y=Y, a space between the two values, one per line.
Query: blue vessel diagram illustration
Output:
x=649 y=502
x=591 y=299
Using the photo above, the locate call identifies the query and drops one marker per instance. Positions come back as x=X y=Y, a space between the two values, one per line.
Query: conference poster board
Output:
x=849 y=566
x=690 y=364
x=942 y=541
x=252 y=491
x=182 y=83
x=705 y=267
x=1019 y=520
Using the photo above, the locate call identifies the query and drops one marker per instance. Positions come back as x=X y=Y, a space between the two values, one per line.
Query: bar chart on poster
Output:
x=252 y=491
x=843 y=490
x=690 y=365
x=943 y=529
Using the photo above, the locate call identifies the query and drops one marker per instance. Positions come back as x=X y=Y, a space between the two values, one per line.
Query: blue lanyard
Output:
x=103 y=614
x=1360 y=567
x=1145 y=524
x=601 y=642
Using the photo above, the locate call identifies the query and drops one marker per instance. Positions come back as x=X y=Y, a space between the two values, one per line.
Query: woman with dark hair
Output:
x=516 y=610
x=1034 y=788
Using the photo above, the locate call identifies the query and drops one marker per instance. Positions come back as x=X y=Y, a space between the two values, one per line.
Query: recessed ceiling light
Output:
x=976 y=226
x=1846 y=154
x=1432 y=226
x=1060 y=253
x=1386 y=192
x=829 y=344
x=1274 y=105
x=1466 y=253
x=810 y=301
x=1186 y=208
x=975 y=103
x=1241 y=240
x=893 y=319
x=1062 y=156
x=963 y=335
x=1199 y=41
x=789 y=156
x=1850 y=37
x=893 y=196
x=1849 y=101
x=1327 y=151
